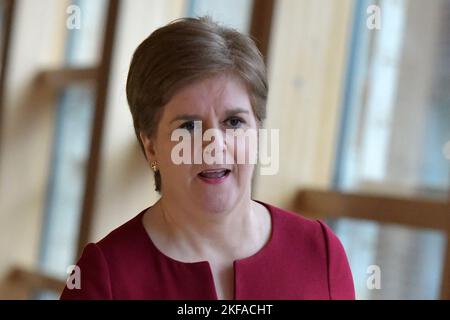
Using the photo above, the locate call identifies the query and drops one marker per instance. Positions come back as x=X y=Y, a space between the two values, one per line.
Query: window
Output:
x=233 y=13
x=71 y=145
x=395 y=124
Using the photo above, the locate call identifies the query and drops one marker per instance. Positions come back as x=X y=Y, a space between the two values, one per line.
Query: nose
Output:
x=214 y=148
x=212 y=133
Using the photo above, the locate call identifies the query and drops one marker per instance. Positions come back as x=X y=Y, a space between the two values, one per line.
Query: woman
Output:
x=205 y=238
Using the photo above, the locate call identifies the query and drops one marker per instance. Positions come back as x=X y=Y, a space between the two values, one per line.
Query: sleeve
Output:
x=91 y=280
x=340 y=280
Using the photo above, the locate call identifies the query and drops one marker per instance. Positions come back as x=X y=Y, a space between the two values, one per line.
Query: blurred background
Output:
x=360 y=90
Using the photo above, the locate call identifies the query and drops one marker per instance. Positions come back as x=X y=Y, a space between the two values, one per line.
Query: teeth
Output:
x=213 y=173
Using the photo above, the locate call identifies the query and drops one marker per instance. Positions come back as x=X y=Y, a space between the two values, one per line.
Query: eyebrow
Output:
x=193 y=117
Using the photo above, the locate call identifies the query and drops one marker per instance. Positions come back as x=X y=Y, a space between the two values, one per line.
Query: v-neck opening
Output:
x=263 y=250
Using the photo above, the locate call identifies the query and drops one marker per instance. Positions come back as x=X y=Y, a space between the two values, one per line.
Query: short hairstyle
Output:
x=187 y=50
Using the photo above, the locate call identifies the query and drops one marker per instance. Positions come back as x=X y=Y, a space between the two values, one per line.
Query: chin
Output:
x=216 y=203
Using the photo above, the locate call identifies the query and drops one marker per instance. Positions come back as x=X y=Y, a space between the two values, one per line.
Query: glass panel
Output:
x=397 y=105
x=84 y=44
x=44 y=295
x=75 y=113
x=70 y=154
x=233 y=13
x=410 y=260
x=396 y=122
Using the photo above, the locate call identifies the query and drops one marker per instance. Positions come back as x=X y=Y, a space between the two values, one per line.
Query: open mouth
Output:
x=214 y=175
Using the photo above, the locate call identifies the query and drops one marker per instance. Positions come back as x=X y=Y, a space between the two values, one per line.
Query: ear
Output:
x=149 y=146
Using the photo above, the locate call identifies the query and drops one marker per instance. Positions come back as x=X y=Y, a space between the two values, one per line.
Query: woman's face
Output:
x=219 y=103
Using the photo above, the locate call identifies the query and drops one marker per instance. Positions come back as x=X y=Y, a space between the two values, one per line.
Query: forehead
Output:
x=217 y=93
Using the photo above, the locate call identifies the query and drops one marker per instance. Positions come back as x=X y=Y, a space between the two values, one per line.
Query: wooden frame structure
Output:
x=417 y=213
x=5 y=37
x=408 y=212
x=261 y=24
x=102 y=77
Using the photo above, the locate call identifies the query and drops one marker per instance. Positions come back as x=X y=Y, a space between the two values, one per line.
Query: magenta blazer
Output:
x=303 y=259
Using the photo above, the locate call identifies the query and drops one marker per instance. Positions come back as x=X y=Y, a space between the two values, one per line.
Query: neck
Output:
x=203 y=233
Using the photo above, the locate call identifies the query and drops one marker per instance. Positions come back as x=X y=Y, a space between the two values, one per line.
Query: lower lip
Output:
x=214 y=180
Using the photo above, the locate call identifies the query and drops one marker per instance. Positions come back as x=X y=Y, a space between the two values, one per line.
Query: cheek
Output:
x=164 y=154
x=173 y=171
x=170 y=170
x=244 y=175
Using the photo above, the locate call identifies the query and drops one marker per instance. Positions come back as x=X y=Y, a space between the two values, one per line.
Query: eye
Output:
x=234 y=122
x=188 y=125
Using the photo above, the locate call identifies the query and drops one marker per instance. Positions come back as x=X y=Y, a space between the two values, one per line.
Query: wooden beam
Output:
x=445 y=287
x=35 y=280
x=261 y=24
x=90 y=187
x=383 y=209
x=5 y=37
x=21 y=284
x=59 y=78
x=416 y=213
